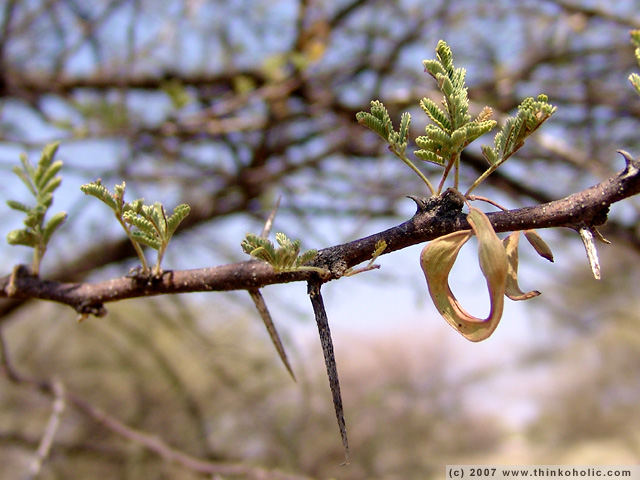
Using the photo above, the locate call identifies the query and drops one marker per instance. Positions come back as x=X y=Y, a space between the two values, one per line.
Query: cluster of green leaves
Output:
x=453 y=129
x=154 y=228
x=531 y=114
x=285 y=258
x=41 y=182
x=380 y=122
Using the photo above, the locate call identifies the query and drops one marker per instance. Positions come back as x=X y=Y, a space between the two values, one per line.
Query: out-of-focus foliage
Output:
x=211 y=386
x=595 y=357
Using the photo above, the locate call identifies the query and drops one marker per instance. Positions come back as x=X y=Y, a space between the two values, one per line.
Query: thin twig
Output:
x=269 y=223
x=58 y=408
x=154 y=444
x=151 y=442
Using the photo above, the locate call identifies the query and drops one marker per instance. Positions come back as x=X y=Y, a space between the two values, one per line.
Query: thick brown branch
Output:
x=435 y=217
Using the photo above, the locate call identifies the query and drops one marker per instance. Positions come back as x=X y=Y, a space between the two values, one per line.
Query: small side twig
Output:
x=153 y=443
x=44 y=448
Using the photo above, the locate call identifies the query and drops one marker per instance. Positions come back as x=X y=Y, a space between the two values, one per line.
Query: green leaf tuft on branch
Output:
x=285 y=258
x=532 y=113
x=452 y=128
x=155 y=229
x=41 y=182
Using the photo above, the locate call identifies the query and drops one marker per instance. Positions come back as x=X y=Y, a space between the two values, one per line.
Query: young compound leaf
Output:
x=23 y=174
x=96 y=189
x=179 y=214
x=22 y=237
x=286 y=258
x=41 y=182
x=47 y=175
x=378 y=120
x=531 y=114
x=45 y=170
x=52 y=225
x=436 y=115
x=251 y=243
x=35 y=217
x=116 y=203
x=429 y=156
x=476 y=129
x=46 y=192
x=148 y=239
x=405 y=122
x=372 y=123
x=140 y=222
x=156 y=218
x=21 y=207
x=485 y=114
x=135 y=206
x=306 y=257
x=155 y=228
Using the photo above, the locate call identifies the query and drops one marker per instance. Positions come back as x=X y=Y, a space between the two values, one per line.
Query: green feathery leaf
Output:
x=476 y=129
x=135 y=206
x=41 y=183
x=453 y=129
x=435 y=114
x=178 y=215
x=405 y=123
x=47 y=174
x=306 y=257
x=378 y=120
x=147 y=239
x=283 y=259
x=53 y=224
x=372 y=123
x=22 y=237
x=96 y=189
x=139 y=222
x=23 y=174
x=429 y=156
x=19 y=206
x=532 y=113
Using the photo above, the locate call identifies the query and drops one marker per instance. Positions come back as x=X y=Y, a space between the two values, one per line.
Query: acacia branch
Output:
x=435 y=217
